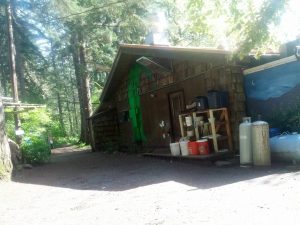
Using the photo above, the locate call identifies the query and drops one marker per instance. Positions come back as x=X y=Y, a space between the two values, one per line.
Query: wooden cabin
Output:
x=173 y=77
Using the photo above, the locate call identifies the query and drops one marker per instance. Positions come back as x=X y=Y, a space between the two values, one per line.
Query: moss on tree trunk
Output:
x=5 y=157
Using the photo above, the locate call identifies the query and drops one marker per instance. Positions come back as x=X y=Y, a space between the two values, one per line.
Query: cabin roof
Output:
x=129 y=53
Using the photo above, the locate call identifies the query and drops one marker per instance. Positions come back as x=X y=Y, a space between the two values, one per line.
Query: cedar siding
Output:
x=194 y=72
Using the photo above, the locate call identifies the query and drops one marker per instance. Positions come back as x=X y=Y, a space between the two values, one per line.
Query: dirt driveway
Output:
x=83 y=188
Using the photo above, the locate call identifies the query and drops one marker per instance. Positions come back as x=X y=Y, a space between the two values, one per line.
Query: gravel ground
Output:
x=83 y=188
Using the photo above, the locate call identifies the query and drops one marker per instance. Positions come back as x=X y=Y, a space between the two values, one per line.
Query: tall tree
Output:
x=12 y=61
x=85 y=88
x=83 y=81
x=95 y=31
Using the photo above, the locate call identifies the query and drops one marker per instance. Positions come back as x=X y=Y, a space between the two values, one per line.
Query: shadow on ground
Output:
x=84 y=170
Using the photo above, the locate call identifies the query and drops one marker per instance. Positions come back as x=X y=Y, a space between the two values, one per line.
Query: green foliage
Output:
x=252 y=31
x=35 y=150
x=286 y=118
x=242 y=25
x=29 y=59
x=38 y=126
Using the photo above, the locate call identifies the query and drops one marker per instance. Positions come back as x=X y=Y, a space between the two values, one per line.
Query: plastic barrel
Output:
x=203 y=147
x=175 y=149
x=193 y=148
x=201 y=102
x=217 y=99
x=189 y=121
x=184 y=147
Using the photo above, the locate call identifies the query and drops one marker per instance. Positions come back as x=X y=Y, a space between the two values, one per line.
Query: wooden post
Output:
x=228 y=131
x=213 y=129
x=181 y=126
x=196 y=125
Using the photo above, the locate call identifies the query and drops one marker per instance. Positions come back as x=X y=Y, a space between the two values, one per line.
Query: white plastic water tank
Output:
x=245 y=141
x=260 y=143
x=285 y=147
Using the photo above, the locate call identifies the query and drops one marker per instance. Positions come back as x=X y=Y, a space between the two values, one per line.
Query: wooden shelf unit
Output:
x=218 y=119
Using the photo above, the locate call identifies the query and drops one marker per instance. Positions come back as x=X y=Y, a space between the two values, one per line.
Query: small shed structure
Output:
x=173 y=77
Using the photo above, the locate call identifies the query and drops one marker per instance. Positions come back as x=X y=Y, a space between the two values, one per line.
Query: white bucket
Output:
x=175 y=149
x=184 y=147
x=189 y=121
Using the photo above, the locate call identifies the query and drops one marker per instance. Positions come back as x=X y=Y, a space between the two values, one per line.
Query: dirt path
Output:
x=83 y=188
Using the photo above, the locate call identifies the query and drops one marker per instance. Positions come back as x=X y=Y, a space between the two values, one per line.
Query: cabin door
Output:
x=177 y=106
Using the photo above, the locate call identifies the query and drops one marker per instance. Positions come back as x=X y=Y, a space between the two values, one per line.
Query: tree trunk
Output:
x=86 y=93
x=75 y=113
x=60 y=111
x=4 y=79
x=83 y=83
x=76 y=62
x=12 y=60
x=69 y=114
x=19 y=55
x=57 y=87
x=5 y=156
x=74 y=106
x=20 y=73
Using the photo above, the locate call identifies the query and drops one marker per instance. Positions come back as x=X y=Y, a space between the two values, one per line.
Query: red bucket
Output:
x=203 y=147
x=193 y=148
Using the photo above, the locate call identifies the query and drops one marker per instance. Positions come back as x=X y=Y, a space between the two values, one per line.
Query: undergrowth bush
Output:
x=35 y=150
x=39 y=126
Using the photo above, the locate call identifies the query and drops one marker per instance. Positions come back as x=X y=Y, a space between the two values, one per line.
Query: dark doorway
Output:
x=177 y=106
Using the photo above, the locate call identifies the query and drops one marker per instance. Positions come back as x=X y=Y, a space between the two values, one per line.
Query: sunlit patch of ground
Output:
x=79 y=187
